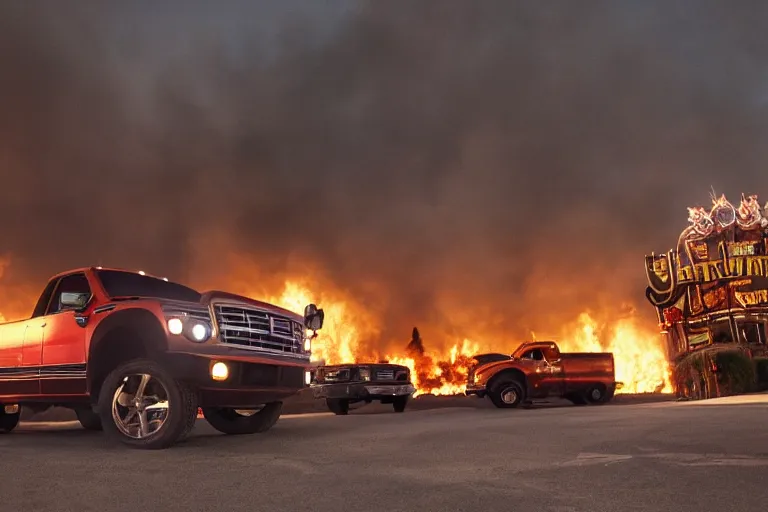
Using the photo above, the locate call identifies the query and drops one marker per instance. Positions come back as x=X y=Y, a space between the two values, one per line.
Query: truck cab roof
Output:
x=93 y=269
x=528 y=345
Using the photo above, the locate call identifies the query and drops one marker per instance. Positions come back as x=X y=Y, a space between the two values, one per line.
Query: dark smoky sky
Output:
x=477 y=163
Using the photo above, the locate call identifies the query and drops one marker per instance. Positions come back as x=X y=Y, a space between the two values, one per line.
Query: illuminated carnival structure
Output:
x=711 y=292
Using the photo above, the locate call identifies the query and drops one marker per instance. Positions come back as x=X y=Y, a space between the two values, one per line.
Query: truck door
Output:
x=63 y=348
x=549 y=378
x=25 y=341
x=555 y=369
x=19 y=374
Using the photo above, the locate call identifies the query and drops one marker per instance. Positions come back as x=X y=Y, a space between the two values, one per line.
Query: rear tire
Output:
x=338 y=406
x=399 y=403
x=229 y=421
x=89 y=419
x=507 y=394
x=8 y=421
x=596 y=394
x=175 y=405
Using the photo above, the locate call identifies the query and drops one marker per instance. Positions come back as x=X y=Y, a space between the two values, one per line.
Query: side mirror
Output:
x=73 y=300
x=313 y=317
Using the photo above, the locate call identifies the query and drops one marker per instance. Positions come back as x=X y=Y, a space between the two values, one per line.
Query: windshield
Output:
x=129 y=284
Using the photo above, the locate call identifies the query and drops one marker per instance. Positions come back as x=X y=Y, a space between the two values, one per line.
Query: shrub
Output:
x=761 y=370
x=736 y=372
x=687 y=370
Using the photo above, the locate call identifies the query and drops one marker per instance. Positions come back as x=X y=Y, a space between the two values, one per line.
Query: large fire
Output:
x=638 y=353
x=352 y=334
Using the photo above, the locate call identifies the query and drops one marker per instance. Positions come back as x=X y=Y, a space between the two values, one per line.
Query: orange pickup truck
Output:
x=538 y=370
x=136 y=355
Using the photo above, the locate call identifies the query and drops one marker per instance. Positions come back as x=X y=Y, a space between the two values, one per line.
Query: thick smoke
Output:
x=474 y=165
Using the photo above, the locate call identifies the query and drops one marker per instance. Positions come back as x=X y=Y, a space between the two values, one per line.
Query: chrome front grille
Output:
x=385 y=375
x=259 y=330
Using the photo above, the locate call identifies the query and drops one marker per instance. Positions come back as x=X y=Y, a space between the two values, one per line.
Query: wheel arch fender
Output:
x=508 y=374
x=124 y=335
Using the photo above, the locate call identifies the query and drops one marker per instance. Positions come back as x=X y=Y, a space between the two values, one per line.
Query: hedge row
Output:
x=736 y=372
x=761 y=372
x=712 y=373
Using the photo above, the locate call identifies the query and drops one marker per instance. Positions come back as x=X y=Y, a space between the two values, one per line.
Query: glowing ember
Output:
x=437 y=375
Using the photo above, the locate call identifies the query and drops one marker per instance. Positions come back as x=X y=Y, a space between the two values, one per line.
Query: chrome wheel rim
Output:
x=140 y=406
x=596 y=394
x=509 y=396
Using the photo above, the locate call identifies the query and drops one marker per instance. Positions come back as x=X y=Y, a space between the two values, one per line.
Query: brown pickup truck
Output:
x=538 y=370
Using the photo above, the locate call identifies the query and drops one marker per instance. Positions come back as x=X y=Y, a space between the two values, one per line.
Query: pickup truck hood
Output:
x=216 y=295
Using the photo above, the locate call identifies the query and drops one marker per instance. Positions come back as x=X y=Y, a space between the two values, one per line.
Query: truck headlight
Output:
x=193 y=330
x=200 y=332
x=309 y=334
x=365 y=373
x=175 y=326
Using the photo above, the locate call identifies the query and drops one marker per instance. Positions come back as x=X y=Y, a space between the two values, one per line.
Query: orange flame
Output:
x=639 y=358
x=640 y=362
x=352 y=334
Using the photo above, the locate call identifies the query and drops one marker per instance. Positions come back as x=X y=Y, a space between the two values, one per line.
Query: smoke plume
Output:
x=479 y=166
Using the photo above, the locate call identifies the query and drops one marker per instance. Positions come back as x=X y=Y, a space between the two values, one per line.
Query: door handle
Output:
x=43 y=324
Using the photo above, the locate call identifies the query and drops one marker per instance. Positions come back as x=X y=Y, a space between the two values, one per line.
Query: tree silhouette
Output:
x=416 y=345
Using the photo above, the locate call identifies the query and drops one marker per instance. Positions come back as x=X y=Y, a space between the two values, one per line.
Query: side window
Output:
x=753 y=333
x=75 y=283
x=721 y=332
x=45 y=298
x=536 y=354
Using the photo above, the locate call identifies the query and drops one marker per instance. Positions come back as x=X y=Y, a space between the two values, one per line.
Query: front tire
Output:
x=231 y=421
x=8 y=421
x=338 y=406
x=143 y=406
x=88 y=418
x=507 y=394
x=399 y=403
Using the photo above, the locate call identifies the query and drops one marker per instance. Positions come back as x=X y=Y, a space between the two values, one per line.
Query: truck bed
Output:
x=587 y=363
x=587 y=355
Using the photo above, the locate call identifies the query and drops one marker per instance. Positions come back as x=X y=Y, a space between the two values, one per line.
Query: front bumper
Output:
x=476 y=390
x=251 y=381
x=362 y=390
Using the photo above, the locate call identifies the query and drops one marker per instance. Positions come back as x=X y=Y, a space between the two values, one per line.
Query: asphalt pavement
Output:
x=668 y=456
